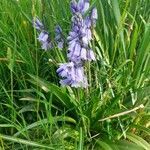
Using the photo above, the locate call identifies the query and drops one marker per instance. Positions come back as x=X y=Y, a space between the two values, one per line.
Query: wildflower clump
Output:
x=79 y=49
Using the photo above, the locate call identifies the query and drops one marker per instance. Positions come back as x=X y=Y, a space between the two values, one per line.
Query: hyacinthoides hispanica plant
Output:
x=73 y=72
x=78 y=49
x=67 y=117
x=79 y=38
x=89 y=108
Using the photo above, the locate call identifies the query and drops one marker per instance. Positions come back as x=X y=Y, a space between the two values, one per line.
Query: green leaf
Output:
x=104 y=145
x=126 y=145
x=81 y=139
x=133 y=42
x=138 y=140
x=10 y=59
x=25 y=142
x=142 y=54
x=46 y=121
x=6 y=125
x=116 y=9
x=69 y=102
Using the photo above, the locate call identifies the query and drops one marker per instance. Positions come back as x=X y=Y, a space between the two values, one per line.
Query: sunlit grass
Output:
x=37 y=113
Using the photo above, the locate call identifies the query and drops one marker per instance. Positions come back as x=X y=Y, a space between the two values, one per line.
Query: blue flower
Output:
x=94 y=16
x=45 y=41
x=82 y=6
x=79 y=50
x=43 y=37
x=37 y=24
x=72 y=74
x=80 y=35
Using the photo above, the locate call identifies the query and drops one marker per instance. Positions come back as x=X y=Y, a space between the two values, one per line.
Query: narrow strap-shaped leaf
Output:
x=25 y=142
x=138 y=140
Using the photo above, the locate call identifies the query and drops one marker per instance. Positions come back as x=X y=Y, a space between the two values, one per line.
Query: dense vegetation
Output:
x=36 y=112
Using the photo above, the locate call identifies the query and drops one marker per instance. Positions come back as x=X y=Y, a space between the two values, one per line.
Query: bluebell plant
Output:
x=79 y=50
x=43 y=37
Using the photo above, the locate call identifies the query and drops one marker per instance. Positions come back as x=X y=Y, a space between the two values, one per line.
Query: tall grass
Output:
x=37 y=113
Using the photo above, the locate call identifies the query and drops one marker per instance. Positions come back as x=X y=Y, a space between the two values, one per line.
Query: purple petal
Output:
x=43 y=37
x=83 y=54
x=94 y=14
x=90 y=55
x=60 y=45
x=77 y=50
x=37 y=24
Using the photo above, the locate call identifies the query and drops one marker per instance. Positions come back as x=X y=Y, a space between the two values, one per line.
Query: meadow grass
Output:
x=111 y=114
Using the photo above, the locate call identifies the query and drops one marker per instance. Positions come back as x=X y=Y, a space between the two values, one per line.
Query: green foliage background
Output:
x=36 y=113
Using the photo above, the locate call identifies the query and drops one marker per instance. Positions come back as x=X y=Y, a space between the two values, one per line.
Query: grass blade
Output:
x=25 y=142
x=139 y=141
